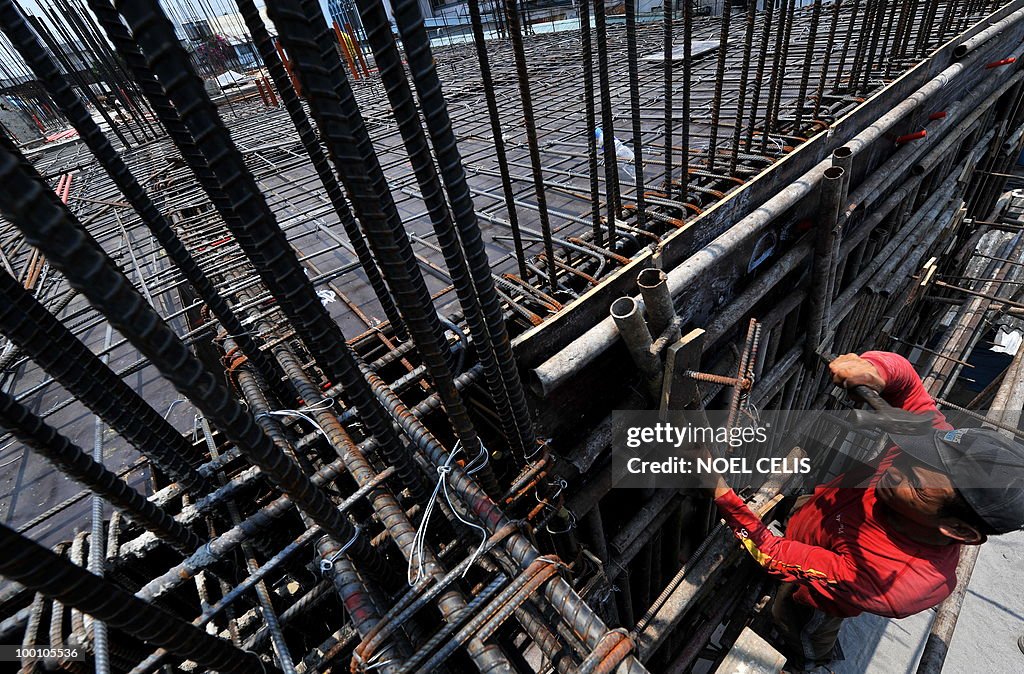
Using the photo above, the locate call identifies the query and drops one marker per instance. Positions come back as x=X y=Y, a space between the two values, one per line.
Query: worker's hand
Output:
x=851 y=370
x=721 y=487
x=715 y=485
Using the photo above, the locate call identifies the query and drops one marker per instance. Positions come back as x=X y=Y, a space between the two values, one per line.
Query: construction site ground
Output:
x=991 y=621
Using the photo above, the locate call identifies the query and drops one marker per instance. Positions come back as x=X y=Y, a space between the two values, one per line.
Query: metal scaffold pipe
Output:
x=975 y=41
x=629 y=320
x=826 y=234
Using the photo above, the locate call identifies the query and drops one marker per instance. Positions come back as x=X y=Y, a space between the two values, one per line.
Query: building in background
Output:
x=221 y=42
x=344 y=12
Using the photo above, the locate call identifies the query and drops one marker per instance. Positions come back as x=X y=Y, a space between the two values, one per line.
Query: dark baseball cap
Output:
x=986 y=467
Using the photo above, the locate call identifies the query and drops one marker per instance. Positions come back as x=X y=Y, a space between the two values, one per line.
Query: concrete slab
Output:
x=992 y=618
x=697 y=48
x=991 y=621
x=751 y=655
x=875 y=644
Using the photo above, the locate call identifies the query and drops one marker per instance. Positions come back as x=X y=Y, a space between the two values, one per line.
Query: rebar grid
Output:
x=335 y=446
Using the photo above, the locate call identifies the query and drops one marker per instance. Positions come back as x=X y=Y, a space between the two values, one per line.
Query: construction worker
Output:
x=890 y=545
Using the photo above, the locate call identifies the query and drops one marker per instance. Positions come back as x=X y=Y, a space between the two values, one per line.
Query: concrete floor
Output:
x=991 y=621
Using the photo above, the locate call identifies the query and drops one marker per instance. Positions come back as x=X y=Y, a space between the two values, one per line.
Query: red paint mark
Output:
x=259 y=88
x=911 y=136
x=270 y=92
x=214 y=244
x=1000 y=63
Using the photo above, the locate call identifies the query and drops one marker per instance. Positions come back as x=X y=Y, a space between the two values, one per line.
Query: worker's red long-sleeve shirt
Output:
x=845 y=560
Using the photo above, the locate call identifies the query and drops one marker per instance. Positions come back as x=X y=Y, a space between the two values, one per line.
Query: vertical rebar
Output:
x=611 y=162
x=78 y=22
x=590 y=122
x=332 y=103
x=667 y=93
x=924 y=28
x=684 y=132
x=487 y=83
x=812 y=37
x=762 y=57
x=522 y=75
x=73 y=75
x=947 y=17
x=863 y=39
x=28 y=202
x=506 y=385
x=25 y=41
x=97 y=538
x=885 y=53
x=819 y=94
x=253 y=224
x=716 y=103
x=634 y=100
x=43 y=439
x=386 y=505
x=54 y=348
x=65 y=31
x=775 y=82
x=311 y=143
x=748 y=45
x=847 y=42
x=876 y=33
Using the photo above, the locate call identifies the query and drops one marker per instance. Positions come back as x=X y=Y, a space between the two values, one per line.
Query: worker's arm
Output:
x=892 y=376
x=788 y=560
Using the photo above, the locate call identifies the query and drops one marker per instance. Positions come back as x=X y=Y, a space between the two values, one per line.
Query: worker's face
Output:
x=917 y=494
x=914 y=490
